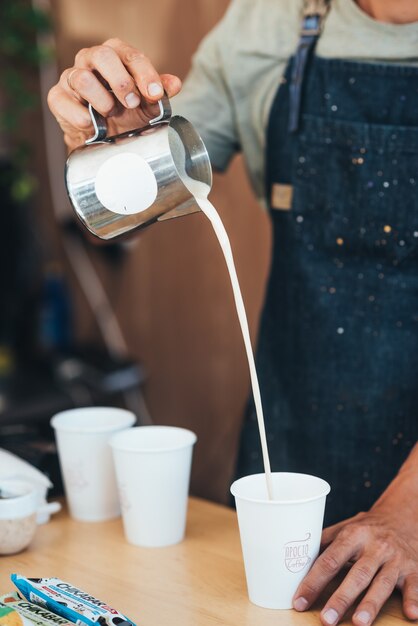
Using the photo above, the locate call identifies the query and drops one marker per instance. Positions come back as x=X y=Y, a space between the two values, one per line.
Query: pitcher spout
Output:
x=187 y=208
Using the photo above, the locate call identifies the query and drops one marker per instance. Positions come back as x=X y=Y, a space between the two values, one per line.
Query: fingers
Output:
x=87 y=87
x=172 y=84
x=379 y=592
x=140 y=68
x=357 y=580
x=330 y=533
x=323 y=571
x=117 y=66
x=68 y=111
x=128 y=72
x=107 y=63
x=410 y=596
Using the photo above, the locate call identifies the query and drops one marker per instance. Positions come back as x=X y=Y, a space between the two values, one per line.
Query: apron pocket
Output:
x=362 y=179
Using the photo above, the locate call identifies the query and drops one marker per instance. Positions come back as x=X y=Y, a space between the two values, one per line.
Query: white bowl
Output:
x=18 y=507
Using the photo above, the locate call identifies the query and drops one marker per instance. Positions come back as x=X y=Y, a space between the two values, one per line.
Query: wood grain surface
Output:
x=199 y=582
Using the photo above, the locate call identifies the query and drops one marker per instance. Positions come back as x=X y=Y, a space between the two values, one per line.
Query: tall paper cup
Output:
x=86 y=459
x=153 y=472
x=280 y=538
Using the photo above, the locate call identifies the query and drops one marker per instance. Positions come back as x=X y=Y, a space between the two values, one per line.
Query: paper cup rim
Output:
x=57 y=421
x=129 y=446
x=324 y=492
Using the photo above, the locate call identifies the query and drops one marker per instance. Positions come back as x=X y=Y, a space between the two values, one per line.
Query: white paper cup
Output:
x=153 y=472
x=280 y=538
x=86 y=459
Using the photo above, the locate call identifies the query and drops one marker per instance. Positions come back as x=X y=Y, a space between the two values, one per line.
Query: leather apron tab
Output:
x=281 y=197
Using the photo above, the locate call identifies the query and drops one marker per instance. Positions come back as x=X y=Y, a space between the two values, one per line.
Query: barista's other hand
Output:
x=117 y=66
x=383 y=544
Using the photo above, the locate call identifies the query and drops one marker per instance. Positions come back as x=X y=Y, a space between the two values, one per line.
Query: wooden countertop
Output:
x=199 y=582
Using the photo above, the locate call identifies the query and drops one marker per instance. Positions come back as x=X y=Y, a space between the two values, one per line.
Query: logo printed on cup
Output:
x=76 y=477
x=296 y=554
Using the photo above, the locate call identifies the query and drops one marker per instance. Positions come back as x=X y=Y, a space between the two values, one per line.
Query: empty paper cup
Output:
x=280 y=538
x=153 y=472
x=86 y=459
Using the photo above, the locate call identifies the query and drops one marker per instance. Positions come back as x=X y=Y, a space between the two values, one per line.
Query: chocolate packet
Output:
x=69 y=602
x=31 y=614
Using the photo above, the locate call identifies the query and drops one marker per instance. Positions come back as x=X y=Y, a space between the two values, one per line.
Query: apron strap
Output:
x=314 y=14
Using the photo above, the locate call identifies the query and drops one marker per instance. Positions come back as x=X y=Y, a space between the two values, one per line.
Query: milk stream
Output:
x=201 y=191
x=212 y=214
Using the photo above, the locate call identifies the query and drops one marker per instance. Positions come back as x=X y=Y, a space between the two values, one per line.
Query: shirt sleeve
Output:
x=206 y=101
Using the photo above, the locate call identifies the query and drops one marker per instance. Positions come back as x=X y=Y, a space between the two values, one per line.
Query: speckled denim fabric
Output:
x=338 y=348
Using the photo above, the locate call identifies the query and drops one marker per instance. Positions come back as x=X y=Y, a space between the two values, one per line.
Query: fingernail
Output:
x=154 y=89
x=363 y=617
x=300 y=604
x=413 y=611
x=330 y=616
x=132 y=100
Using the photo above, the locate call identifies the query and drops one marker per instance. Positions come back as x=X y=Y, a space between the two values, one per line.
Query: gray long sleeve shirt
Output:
x=239 y=65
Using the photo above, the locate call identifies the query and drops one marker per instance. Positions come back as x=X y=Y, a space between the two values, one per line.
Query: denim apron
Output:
x=338 y=347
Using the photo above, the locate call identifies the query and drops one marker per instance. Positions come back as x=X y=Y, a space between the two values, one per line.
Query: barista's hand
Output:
x=383 y=544
x=136 y=87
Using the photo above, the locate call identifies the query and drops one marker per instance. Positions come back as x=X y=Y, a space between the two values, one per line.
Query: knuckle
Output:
x=52 y=96
x=345 y=544
x=113 y=41
x=385 y=546
x=329 y=563
x=353 y=532
x=342 y=601
x=135 y=56
x=388 y=546
x=308 y=589
x=83 y=122
x=81 y=54
x=363 y=574
x=102 y=54
x=380 y=550
x=345 y=533
x=82 y=79
x=64 y=74
x=388 y=582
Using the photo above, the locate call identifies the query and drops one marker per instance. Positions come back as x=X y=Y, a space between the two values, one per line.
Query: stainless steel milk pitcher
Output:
x=121 y=183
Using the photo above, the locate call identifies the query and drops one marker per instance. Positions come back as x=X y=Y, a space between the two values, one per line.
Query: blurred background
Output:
x=149 y=325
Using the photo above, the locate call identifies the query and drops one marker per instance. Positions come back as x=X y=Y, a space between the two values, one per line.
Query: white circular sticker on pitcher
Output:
x=126 y=184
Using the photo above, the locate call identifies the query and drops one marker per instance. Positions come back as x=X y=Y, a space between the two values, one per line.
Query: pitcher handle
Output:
x=100 y=124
